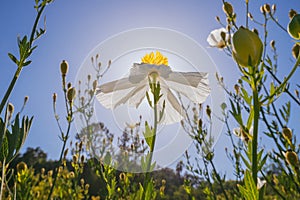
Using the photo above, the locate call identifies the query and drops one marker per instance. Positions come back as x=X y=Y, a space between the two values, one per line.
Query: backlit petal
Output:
x=173 y=110
x=139 y=72
x=193 y=85
x=115 y=93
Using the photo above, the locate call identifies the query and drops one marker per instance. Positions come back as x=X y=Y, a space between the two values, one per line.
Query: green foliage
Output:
x=12 y=141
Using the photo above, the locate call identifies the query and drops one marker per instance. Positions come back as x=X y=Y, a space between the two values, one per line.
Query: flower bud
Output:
x=54 y=96
x=82 y=181
x=10 y=109
x=66 y=153
x=267 y=8
x=208 y=111
x=295 y=50
x=71 y=94
x=274 y=7
x=237 y=89
x=292 y=13
x=262 y=10
x=217 y=18
x=291 y=157
x=122 y=176
x=272 y=44
x=227 y=8
x=25 y=99
x=21 y=167
x=69 y=85
x=75 y=158
x=64 y=66
x=294 y=27
x=287 y=133
x=50 y=173
x=250 y=16
x=72 y=175
x=297 y=93
x=95 y=83
x=247 y=48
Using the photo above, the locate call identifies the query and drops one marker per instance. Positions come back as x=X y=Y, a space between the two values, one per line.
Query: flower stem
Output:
x=21 y=63
x=152 y=145
x=256 y=107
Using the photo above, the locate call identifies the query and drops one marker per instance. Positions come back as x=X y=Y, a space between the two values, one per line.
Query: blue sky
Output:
x=75 y=27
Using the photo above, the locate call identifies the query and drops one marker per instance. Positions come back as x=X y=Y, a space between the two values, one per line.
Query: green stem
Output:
x=149 y=162
x=219 y=179
x=65 y=139
x=20 y=66
x=256 y=107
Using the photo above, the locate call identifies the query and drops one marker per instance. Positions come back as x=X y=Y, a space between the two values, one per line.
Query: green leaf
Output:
x=27 y=63
x=248 y=165
x=149 y=135
x=249 y=190
x=161 y=113
x=13 y=58
x=250 y=119
x=4 y=149
x=245 y=96
x=148 y=99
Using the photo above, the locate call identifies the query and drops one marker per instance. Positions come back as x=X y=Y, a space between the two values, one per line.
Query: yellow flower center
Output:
x=155 y=59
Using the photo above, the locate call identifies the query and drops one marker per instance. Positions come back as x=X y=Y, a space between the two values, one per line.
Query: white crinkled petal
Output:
x=173 y=110
x=193 y=85
x=139 y=72
x=214 y=39
x=115 y=93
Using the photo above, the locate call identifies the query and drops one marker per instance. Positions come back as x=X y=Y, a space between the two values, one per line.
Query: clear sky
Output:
x=75 y=27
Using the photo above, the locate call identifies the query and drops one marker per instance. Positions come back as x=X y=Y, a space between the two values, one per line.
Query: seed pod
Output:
x=64 y=66
x=227 y=8
x=287 y=133
x=291 y=157
x=71 y=94
x=247 y=48
x=294 y=27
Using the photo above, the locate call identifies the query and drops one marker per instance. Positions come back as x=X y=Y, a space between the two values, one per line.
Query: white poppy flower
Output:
x=260 y=183
x=215 y=38
x=132 y=89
